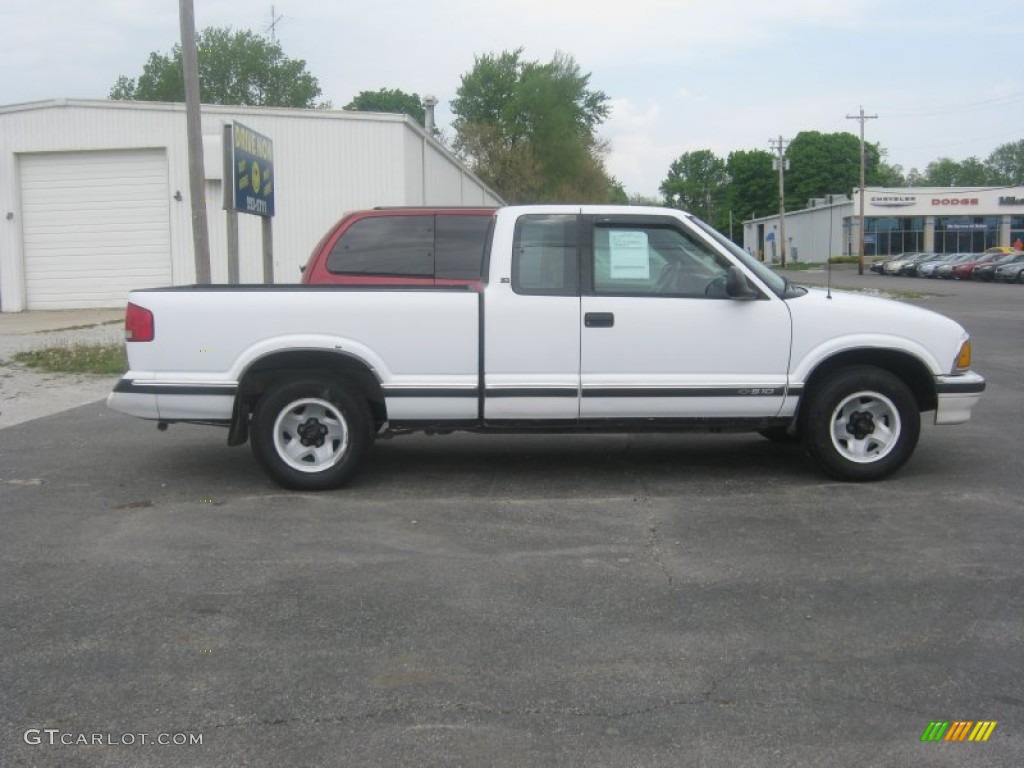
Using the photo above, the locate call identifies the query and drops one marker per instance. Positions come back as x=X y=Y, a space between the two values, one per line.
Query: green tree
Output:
x=883 y=174
x=915 y=178
x=973 y=173
x=698 y=182
x=389 y=100
x=823 y=164
x=653 y=202
x=943 y=172
x=1006 y=163
x=529 y=129
x=234 y=68
x=753 y=185
x=617 y=194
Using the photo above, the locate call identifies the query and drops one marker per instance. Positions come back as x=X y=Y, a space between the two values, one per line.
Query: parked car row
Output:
x=995 y=265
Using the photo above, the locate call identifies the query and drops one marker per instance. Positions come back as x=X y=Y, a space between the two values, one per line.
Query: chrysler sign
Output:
x=893 y=201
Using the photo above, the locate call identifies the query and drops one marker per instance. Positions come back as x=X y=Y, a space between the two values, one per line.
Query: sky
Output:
x=944 y=77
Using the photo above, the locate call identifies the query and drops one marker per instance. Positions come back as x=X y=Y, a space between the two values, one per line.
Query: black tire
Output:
x=862 y=423
x=337 y=433
x=1020 y=276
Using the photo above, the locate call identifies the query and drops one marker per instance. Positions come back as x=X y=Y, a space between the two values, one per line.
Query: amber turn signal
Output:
x=963 y=359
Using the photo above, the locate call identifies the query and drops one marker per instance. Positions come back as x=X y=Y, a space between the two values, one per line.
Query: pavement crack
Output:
x=654 y=547
x=653 y=538
x=248 y=722
x=577 y=712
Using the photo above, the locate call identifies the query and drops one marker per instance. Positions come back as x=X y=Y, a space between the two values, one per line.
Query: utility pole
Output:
x=860 y=235
x=782 y=163
x=193 y=121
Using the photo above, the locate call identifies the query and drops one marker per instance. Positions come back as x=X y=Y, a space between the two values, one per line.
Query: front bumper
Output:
x=957 y=396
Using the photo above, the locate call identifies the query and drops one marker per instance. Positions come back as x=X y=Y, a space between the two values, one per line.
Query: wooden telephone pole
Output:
x=193 y=120
x=860 y=235
x=783 y=165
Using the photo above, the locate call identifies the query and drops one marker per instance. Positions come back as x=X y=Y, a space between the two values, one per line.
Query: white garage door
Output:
x=95 y=225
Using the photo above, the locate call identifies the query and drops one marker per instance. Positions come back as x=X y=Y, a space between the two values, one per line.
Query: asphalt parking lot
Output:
x=515 y=601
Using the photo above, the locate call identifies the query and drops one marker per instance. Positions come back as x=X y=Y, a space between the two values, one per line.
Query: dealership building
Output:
x=930 y=219
x=95 y=200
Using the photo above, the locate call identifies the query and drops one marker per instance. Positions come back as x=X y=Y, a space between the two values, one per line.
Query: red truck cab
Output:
x=403 y=246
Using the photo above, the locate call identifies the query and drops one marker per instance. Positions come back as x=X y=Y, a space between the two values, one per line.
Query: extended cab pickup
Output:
x=589 y=318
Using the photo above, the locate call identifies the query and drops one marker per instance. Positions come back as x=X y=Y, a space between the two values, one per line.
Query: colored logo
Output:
x=958 y=730
x=255 y=177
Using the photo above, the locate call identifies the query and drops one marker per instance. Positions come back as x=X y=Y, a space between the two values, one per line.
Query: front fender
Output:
x=802 y=368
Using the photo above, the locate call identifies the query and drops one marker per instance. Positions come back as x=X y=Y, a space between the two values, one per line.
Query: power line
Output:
x=932 y=111
x=967 y=140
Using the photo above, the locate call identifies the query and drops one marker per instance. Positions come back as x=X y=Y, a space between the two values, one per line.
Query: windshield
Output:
x=778 y=284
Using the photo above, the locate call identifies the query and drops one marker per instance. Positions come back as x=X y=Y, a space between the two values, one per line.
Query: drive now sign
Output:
x=252 y=170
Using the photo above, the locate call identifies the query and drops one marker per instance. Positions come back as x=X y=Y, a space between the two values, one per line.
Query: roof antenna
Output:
x=272 y=26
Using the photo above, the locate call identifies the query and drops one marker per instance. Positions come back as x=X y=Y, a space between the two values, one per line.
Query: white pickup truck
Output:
x=592 y=318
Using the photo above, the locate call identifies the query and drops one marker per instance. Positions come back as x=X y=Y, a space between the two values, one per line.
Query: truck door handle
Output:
x=599 y=319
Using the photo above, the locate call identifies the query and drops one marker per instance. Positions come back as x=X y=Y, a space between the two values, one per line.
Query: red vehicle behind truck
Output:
x=403 y=246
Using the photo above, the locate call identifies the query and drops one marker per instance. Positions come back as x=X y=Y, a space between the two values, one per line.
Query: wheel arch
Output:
x=910 y=369
x=266 y=371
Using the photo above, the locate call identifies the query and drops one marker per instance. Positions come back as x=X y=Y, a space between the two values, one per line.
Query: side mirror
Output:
x=738 y=287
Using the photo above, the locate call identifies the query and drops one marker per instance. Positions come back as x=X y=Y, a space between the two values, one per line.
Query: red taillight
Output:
x=138 y=323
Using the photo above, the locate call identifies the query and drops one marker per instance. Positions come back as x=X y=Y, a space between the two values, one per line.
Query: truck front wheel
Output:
x=861 y=424
x=311 y=434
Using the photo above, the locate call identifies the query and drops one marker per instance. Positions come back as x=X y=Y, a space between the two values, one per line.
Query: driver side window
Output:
x=651 y=260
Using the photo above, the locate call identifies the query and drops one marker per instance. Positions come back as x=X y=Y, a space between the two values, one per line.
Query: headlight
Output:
x=963 y=358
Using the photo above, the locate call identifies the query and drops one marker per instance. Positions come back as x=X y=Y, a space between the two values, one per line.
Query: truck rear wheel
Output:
x=310 y=434
x=861 y=424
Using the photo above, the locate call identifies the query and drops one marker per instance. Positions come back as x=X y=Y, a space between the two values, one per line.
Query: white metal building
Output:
x=929 y=219
x=94 y=195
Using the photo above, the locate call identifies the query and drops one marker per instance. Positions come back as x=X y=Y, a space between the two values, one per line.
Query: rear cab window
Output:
x=446 y=247
x=390 y=245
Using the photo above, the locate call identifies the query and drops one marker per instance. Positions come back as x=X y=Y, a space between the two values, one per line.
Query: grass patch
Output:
x=82 y=327
x=799 y=266
x=885 y=294
x=907 y=294
x=105 y=359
